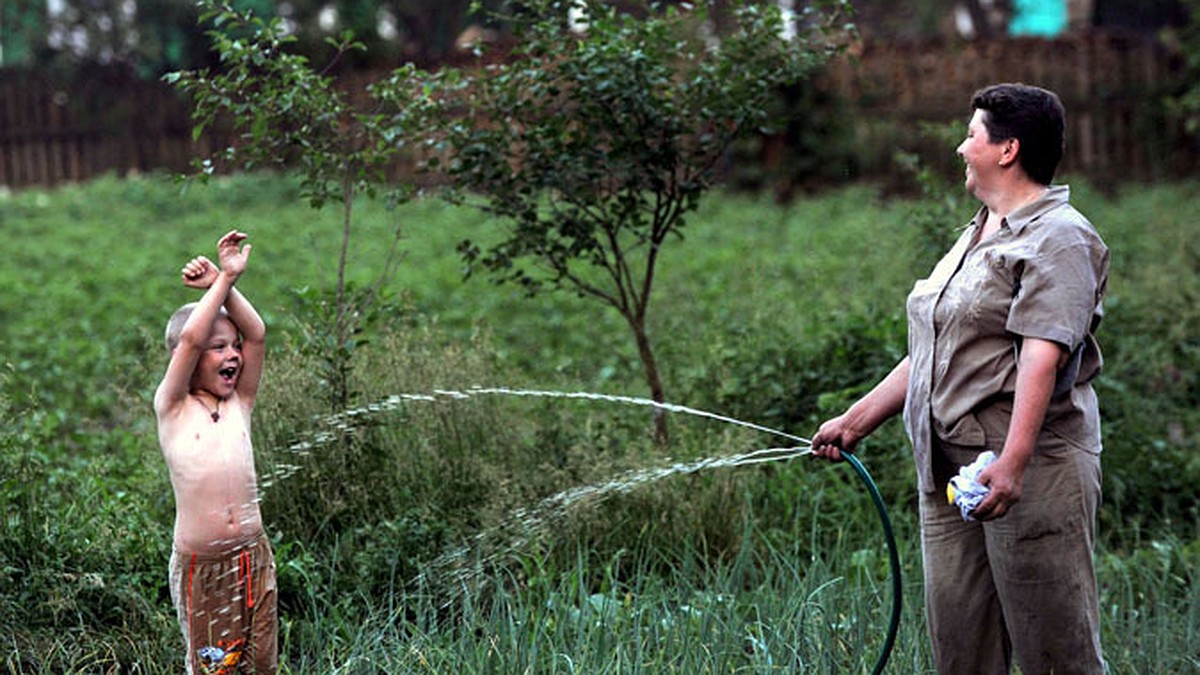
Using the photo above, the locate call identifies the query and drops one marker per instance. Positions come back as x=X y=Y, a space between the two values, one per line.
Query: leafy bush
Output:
x=83 y=546
x=1148 y=389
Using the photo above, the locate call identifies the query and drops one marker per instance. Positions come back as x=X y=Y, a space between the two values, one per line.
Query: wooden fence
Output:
x=1112 y=86
x=105 y=120
x=54 y=131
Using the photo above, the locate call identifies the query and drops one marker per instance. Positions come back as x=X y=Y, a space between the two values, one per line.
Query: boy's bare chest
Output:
x=201 y=447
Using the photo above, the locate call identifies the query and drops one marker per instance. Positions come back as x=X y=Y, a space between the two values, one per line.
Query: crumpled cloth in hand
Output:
x=964 y=490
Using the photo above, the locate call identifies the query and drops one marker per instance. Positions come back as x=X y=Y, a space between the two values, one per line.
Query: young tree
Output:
x=604 y=129
x=284 y=114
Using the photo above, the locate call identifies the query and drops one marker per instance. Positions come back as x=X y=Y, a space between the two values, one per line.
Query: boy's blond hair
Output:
x=175 y=324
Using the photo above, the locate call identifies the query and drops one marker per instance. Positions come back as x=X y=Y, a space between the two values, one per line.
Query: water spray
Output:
x=344 y=422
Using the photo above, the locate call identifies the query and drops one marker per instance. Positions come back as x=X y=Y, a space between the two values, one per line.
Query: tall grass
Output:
x=763 y=611
x=433 y=536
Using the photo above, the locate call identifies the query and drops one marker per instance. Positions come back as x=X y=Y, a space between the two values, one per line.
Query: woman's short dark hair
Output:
x=1032 y=115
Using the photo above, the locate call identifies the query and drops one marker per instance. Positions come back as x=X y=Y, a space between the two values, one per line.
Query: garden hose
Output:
x=893 y=556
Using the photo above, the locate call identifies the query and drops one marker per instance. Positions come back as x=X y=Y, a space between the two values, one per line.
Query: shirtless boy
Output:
x=222 y=570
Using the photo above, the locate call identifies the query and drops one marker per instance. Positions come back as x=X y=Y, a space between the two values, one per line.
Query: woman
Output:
x=1001 y=356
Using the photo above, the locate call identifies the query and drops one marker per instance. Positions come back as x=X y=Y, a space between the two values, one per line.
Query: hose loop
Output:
x=893 y=557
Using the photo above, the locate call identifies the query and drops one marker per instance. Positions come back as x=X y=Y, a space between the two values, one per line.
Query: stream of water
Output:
x=459 y=566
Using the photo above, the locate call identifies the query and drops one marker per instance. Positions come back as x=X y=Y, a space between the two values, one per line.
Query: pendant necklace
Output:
x=215 y=413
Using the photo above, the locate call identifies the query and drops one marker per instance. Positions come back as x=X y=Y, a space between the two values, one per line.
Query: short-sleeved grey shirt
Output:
x=1041 y=275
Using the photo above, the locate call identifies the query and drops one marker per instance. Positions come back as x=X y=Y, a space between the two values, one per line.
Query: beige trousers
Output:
x=1023 y=585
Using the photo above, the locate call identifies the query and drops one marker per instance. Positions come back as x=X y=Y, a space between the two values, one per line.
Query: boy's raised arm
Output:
x=254 y=344
x=176 y=382
x=201 y=273
x=233 y=259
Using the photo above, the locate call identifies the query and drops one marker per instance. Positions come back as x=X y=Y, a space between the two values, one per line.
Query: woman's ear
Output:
x=1012 y=148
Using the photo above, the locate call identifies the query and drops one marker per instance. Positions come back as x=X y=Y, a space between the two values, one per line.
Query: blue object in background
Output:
x=1041 y=18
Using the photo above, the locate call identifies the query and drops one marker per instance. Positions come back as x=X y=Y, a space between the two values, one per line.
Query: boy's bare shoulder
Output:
x=160 y=401
x=166 y=401
x=172 y=421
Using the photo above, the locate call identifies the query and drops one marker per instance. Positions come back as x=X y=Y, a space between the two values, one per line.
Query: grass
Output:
x=706 y=622
x=776 y=315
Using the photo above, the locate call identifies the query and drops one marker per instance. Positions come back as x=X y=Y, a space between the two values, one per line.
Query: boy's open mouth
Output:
x=228 y=372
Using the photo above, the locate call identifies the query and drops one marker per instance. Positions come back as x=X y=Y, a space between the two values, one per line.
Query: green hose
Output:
x=894 y=558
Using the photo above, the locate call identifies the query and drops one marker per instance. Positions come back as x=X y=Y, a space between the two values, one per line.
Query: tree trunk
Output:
x=650 y=368
x=340 y=356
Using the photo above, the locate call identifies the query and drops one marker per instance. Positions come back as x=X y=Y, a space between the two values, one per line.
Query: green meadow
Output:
x=419 y=532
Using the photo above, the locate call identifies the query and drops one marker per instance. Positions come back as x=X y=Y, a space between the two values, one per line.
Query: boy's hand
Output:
x=233 y=259
x=199 y=272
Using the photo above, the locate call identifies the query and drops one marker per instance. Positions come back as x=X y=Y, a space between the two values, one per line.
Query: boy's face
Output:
x=221 y=361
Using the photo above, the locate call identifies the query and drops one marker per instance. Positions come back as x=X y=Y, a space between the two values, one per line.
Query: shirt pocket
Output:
x=981 y=294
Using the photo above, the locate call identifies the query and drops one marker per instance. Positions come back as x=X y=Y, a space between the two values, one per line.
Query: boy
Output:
x=222 y=571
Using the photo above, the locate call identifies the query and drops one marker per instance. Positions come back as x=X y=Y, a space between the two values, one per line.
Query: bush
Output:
x=83 y=545
x=1148 y=389
x=389 y=484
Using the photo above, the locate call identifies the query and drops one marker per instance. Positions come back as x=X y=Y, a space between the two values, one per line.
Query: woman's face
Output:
x=981 y=156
